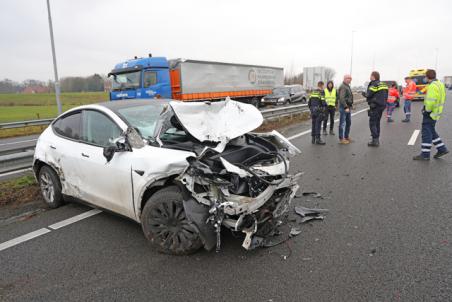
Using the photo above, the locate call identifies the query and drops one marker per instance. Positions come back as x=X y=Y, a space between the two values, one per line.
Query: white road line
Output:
x=13 y=143
x=14 y=172
x=76 y=218
x=23 y=238
x=413 y=138
x=309 y=131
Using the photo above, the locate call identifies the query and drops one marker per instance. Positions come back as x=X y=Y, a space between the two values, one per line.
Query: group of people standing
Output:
x=323 y=103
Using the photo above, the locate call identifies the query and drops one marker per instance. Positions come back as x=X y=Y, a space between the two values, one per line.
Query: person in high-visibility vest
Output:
x=408 y=94
x=433 y=108
x=393 y=95
x=316 y=105
x=331 y=102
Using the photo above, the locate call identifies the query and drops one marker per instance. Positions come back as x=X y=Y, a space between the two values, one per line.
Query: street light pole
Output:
x=351 y=55
x=57 y=83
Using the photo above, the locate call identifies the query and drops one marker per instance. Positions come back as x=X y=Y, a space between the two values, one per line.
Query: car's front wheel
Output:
x=165 y=224
x=50 y=187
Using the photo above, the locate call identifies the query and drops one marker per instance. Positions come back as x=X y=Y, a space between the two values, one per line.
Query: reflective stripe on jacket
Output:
x=330 y=97
x=377 y=93
x=435 y=99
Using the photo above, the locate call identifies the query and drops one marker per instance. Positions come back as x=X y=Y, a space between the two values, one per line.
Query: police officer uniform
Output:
x=317 y=107
x=376 y=95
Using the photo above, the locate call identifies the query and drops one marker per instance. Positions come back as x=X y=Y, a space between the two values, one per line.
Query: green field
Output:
x=20 y=107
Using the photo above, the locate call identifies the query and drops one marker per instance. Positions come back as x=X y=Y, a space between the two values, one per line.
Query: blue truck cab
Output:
x=141 y=78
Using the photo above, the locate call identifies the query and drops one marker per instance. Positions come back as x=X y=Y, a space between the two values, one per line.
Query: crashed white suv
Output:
x=182 y=170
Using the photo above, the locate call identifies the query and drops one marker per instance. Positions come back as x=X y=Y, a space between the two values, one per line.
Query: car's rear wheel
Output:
x=50 y=187
x=165 y=224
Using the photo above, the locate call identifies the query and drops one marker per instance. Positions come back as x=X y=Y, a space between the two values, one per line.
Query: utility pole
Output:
x=351 y=55
x=373 y=62
x=57 y=83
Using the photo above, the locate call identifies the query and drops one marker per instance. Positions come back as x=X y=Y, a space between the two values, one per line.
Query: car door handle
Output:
x=52 y=147
x=139 y=172
x=85 y=155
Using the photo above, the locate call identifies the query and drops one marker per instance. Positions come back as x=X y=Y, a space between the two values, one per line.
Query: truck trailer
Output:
x=192 y=80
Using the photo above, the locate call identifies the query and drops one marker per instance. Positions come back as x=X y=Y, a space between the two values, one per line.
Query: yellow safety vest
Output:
x=435 y=99
x=330 y=97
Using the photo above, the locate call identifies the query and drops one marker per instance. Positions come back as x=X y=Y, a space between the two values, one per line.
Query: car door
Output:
x=105 y=184
x=155 y=84
x=63 y=152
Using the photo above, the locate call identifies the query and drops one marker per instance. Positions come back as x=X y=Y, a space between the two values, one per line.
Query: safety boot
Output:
x=420 y=157
x=332 y=132
x=405 y=120
x=374 y=142
x=319 y=141
x=324 y=132
x=439 y=154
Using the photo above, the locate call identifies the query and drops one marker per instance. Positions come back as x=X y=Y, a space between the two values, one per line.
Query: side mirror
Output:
x=119 y=144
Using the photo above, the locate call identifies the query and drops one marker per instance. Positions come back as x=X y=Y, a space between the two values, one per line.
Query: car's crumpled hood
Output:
x=217 y=121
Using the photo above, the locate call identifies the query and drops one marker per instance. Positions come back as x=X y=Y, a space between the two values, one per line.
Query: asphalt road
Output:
x=387 y=237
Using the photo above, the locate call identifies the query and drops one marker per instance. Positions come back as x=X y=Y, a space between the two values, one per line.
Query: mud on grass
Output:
x=19 y=191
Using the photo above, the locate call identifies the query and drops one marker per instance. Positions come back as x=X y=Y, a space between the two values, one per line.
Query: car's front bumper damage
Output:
x=216 y=207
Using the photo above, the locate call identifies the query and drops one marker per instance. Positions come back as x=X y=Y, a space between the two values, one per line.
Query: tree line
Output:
x=94 y=82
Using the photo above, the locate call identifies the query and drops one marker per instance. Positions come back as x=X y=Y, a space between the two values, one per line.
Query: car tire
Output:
x=166 y=226
x=50 y=187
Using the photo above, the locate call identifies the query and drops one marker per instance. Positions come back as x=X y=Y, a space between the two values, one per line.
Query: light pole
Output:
x=351 y=53
x=57 y=83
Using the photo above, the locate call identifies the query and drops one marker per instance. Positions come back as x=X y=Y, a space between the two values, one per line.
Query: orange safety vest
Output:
x=409 y=91
x=393 y=95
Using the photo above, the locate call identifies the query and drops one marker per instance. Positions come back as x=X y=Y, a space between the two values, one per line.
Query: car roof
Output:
x=115 y=105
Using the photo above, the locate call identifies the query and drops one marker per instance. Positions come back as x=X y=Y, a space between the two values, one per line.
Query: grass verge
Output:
x=19 y=191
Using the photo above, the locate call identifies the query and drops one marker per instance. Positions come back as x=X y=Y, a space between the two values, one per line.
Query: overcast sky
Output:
x=91 y=36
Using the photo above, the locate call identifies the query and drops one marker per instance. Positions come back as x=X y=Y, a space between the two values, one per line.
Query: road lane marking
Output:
x=23 y=238
x=19 y=142
x=18 y=240
x=309 y=131
x=76 y=218
x=413 y=138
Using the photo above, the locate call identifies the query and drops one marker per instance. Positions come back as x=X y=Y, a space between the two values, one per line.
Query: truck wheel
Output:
x=50 y=187
x=166 y=226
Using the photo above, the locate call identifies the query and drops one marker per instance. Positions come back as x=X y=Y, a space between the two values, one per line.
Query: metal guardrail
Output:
x=284 y=111
x=16 y=161
x=26 y=123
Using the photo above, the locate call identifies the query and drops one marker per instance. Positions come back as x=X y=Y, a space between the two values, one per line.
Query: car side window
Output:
x=69 y=126
x=149 y=78
x=98 y=129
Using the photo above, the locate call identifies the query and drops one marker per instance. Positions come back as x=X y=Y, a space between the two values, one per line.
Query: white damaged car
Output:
x=182 y=170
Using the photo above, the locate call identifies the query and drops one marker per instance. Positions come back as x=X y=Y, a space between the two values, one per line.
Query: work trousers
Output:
x=407 y=109
x=329 y=112
x=316 y=118
x=390 y=109
x=374 y=120
x=430 y=137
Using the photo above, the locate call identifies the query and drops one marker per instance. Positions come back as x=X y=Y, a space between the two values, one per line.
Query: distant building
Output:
x=36 y=89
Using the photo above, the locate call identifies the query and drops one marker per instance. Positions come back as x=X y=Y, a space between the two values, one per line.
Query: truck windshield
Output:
x=129 y=80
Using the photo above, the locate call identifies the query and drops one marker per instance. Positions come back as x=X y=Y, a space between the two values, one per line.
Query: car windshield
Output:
x=281 y=90
x=129 y=80
x=144 y=117
x=419 y=80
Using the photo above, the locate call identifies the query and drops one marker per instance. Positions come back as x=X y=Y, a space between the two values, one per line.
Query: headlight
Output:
x=281 y=99
x=262 y=99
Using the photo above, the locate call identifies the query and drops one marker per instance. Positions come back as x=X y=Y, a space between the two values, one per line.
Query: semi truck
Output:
x=192 y=80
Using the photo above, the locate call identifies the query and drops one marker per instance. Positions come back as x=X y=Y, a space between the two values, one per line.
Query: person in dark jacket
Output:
x=331 y=101
x=345 y=100
x=376 y=95
x=317 y=107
